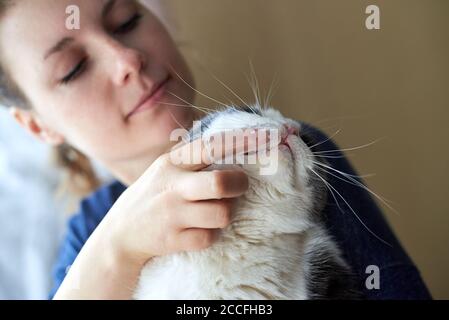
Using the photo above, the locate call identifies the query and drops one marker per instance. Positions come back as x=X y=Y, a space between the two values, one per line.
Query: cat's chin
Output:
x=286 y=152
x=285 y=147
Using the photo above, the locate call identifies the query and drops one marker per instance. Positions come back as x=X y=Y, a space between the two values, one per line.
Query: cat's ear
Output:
x=28 y=120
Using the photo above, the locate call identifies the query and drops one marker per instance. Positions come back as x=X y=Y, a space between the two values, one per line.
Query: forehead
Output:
x=29 y=28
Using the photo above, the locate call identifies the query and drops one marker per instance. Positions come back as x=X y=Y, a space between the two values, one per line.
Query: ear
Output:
x=31 y=123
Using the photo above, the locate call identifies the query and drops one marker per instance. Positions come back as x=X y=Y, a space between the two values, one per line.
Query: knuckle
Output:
x=171 y=220
x=192 y=242
x=242 y=181
x=218 y=183
x=162 y=162
x=169 y=214
x=223 y=214
x=245 y=181
x=165 y=243
x=206 y=240
x=171 y=243
x=202 y=240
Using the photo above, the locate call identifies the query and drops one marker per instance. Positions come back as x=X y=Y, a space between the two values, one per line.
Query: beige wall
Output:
x=391 y=84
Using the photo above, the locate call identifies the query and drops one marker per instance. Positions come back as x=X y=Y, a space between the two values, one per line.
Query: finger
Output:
x=217 y=184
x=191 y=156
x=203 y=152
x=214 y=214
x=236 y=142
x=195 y=239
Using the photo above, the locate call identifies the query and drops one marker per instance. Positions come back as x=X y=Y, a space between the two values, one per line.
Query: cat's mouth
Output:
x=285 y=141
x=285 y=145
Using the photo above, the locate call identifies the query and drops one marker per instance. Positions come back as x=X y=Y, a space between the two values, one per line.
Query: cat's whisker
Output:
x=329 y=157
x=334 y=119
x=222 y=83
x=330 y=190
x=231 y=103
x=346 y=174
x=257 y=103
x=202 y=109
x=332 y=128
x=361 y=185
x=326 y=140
x=349 y=149
x=188 y=103
x=273 y=87
x=185 y=137
x=254 y=83
x=340 y=178
x=355 y=182
x=352 y=210
x=197 y=91
x=230 y=90
x=233 y=106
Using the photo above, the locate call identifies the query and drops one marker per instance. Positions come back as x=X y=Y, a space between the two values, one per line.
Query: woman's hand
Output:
x=173 y=208
x=170 y=208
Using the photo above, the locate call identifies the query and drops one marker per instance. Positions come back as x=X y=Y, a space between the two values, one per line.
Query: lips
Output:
x=149 y=99
x=286 y=144
x=289 y=131
x=284 y=141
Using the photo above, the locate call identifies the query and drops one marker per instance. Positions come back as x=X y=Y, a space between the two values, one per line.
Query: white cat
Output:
x=276 y=246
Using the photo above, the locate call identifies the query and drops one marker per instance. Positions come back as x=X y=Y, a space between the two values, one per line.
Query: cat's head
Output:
x=293 y=181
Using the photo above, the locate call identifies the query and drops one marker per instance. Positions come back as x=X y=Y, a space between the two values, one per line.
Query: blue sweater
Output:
x=399 y=277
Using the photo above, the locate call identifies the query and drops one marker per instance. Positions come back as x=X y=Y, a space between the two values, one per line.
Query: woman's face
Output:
x=85 y=84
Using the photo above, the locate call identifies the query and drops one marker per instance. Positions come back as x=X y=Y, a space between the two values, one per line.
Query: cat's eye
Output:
x=129 y=25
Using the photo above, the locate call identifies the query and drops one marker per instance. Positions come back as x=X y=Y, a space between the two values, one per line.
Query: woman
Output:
x=109 y=90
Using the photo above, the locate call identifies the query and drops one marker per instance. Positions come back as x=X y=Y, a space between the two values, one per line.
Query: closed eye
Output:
x=129 y=25
x=75 y=72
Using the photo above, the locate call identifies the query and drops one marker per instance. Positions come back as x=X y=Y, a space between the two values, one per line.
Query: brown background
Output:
x=392 y=84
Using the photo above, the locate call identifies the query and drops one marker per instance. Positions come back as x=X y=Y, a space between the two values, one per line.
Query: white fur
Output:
x=261 y=254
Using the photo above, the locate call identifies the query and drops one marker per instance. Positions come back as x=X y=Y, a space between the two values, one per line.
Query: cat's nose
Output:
x=289 y=130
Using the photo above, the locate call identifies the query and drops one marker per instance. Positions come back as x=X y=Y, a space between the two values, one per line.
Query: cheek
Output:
x=173 y=118
x=87 y=121
x=91 y=114
x=165 y=50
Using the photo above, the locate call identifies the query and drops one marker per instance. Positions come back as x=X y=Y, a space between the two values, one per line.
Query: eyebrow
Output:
x=58 y=46
x=63 y=43
x=107 y=8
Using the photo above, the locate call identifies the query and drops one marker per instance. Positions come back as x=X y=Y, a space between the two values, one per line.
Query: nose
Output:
x=289 y=130
x=126 y=62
